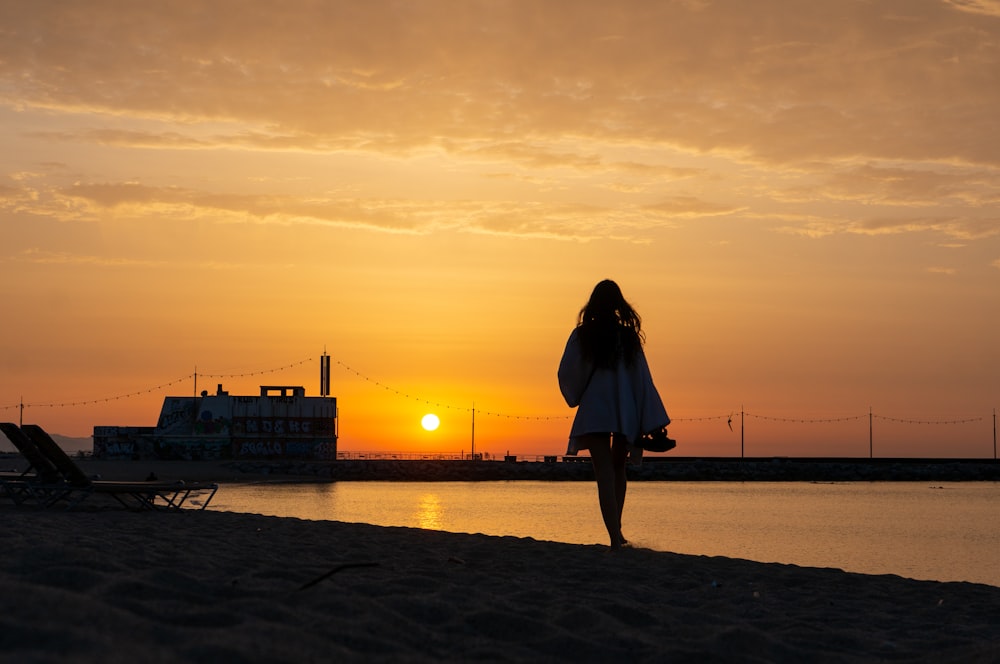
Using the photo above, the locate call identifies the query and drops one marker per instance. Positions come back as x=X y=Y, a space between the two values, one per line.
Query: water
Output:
x=942 y=532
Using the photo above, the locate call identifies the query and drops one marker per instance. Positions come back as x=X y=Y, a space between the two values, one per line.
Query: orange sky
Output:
x=801 y=201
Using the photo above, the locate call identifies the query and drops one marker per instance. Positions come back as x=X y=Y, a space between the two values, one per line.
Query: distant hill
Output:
x=69 y=444
x=73 y=445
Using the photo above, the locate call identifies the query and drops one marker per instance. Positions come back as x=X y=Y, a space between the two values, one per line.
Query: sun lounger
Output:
x=41 y=482
x=42 y=468
x=141 y=495
x=73 y=485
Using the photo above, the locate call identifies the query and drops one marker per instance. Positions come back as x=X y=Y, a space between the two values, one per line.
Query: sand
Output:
x=119 y=586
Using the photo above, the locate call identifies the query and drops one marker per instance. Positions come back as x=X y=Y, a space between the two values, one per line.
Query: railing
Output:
x=439 y=456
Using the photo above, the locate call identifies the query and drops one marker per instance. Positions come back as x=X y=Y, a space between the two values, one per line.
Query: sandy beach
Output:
x=119 y=586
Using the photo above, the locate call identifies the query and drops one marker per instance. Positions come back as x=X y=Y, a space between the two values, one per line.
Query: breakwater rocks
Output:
x=658 y=469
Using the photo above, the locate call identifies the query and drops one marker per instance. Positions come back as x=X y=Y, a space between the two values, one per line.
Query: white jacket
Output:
x=619 y=400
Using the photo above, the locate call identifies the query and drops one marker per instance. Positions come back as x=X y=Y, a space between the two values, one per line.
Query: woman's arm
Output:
x=574 y=372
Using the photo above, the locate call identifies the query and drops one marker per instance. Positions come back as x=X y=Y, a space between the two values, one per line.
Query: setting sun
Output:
x=430 y=422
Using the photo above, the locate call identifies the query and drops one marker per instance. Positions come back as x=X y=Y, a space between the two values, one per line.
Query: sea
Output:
x=920 y=530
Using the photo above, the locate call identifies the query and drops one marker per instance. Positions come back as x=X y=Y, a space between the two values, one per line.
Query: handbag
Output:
x=656 y=441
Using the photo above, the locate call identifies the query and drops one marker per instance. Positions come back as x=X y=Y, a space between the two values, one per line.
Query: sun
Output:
x=430 y=422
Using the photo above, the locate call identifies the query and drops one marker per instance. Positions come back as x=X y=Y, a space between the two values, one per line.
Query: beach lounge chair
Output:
x=136 y=495
x=140 y=495
x=41 y=482
x=41 y=467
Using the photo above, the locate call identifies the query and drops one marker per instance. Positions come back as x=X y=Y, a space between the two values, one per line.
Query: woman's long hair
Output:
x=609 y=327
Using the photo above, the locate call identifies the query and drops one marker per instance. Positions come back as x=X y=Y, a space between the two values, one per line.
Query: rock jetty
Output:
x=659 y=469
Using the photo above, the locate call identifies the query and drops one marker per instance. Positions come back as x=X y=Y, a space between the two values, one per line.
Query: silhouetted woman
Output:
x=604 y=372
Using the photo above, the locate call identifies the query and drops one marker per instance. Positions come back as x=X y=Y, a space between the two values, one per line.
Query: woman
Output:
x=604 y=372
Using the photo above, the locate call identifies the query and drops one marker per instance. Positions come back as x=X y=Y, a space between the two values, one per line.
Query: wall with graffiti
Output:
x=221 y=426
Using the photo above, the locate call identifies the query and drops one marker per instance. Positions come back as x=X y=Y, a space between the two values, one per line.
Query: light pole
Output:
x=870 y=444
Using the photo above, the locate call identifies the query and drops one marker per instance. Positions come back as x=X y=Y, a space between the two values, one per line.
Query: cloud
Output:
x=237 y=140
x=77 y=259
x=987 y=7
x=951 y=228
x=913 y=187
x=48 y=257
x=823 y=82
x=247 y=208
x=824 y=118
x=131 y=139
x=552 y=220
x=689 y=207
x=960 y=229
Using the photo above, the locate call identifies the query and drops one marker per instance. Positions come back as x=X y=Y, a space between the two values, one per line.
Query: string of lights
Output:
x=905 y=421
x=89 y=402
x=156 y=388
x=260 y=372
x=701 y=419
x=437 y=404
x=728 y=418
x=827 y=420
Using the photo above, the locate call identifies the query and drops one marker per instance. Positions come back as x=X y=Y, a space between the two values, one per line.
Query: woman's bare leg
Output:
x=604 y=473
x=619 y=458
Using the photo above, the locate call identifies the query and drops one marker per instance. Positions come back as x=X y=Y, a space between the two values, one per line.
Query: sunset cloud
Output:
x=915 y=187
x=395 y=216
x=987 y=7
x=950 y=228
x=825 y=84
x=68 y=258
x=835 y=91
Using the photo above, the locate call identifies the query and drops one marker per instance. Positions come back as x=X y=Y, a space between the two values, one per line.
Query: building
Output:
x=280 y=423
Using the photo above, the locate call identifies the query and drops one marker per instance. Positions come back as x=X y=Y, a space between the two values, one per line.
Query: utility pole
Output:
x=473 y=430
x=870 y=443
x=741 y=431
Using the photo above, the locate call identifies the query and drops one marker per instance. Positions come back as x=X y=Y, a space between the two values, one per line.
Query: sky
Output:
x=800 y=200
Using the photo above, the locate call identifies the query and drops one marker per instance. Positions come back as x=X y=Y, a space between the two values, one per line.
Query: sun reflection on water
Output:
x=429 y=512
x=949 y=533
